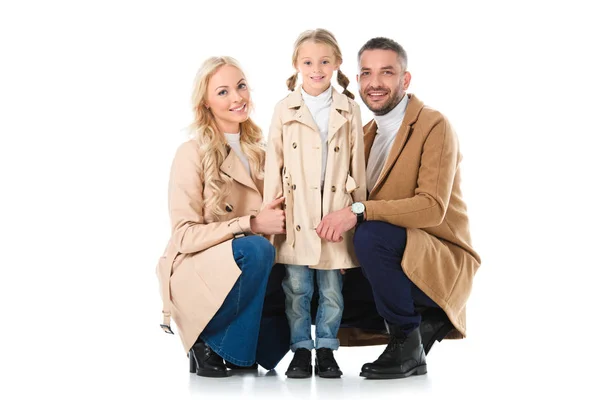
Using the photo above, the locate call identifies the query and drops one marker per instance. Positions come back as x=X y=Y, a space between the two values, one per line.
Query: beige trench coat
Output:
x=419 y=189
x=293 y=169
x=197 y=269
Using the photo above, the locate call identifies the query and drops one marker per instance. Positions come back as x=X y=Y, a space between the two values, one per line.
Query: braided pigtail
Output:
x=344 y=82
x=291 y=82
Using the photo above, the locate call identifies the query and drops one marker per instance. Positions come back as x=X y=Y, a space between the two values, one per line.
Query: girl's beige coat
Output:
x=293 y=169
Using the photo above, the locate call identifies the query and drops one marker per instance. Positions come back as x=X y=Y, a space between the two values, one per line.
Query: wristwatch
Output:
x=358 y=208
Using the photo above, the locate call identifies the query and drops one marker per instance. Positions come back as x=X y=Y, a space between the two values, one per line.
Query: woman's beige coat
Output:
x=197 y=269
x=293 y=169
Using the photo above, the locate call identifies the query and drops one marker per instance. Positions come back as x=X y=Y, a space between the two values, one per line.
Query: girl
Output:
x=213 y=274
x=315 y=160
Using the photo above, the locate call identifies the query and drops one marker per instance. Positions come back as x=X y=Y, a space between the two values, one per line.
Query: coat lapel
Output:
x=298 y=111
x=370 y=130
x=233 y=167
x=410 y=117
x=339 y=102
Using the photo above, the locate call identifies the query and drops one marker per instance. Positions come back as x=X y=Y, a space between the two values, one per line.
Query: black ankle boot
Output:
x=205 y=362
x=325 y=365
x=435 y=325
x=404 y=356
x=301 y=365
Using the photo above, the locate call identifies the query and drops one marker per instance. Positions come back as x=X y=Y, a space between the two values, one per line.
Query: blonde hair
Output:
x=213 y=146
x=325 y=37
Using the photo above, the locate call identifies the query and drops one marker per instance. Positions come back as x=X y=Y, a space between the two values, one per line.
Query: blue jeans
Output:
x=233 y=331
x=298 y=286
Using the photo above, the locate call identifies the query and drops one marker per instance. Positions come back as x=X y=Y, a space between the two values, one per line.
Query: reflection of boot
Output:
x=205 y=362
x=404 y=356
x=325 y=364
x=435 y=325
x=237 y=367
x=301 y=365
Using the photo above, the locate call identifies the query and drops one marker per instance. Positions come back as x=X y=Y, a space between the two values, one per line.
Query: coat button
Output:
x=294 y=145
x=333 y=188
x=298 y=227
x=228 y=208
x=294 y=186
x=337 y=148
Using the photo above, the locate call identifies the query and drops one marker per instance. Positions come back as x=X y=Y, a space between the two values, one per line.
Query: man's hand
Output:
x=335 y=224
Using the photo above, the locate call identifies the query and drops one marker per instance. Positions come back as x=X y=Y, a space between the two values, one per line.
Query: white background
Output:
x=94 y=99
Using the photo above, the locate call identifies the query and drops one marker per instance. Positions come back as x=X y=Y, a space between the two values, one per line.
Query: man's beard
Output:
x=388 y=106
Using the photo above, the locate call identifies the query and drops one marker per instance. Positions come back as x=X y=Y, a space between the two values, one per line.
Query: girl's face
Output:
x=228 y=98
x=316 y=62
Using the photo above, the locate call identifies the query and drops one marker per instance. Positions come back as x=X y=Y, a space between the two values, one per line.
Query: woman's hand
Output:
x=271 y=219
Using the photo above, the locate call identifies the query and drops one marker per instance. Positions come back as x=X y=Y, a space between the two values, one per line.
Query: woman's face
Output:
x=228 y=98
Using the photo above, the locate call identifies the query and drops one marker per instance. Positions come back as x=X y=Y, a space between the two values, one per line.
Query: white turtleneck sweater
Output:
x=387 y=128
x=319 y=107
x=233 y=139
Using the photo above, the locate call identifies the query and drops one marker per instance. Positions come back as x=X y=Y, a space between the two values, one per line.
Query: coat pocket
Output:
x=288 y=193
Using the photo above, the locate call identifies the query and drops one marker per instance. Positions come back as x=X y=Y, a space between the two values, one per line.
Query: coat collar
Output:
x=413 y=109
x=338 y=101
x=298 y=111
x=232 y=166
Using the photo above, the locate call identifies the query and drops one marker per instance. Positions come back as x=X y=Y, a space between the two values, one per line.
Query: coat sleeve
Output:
x=190 y=233
x=357 y=162
x=427 y=208
x=273 y=185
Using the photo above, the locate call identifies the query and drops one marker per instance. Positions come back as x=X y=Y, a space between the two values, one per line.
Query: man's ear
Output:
x=406 y=80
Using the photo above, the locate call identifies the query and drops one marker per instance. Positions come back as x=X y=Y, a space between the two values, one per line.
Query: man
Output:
x=412 y=237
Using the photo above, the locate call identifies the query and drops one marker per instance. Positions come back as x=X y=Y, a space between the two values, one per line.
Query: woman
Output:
x=215 y=269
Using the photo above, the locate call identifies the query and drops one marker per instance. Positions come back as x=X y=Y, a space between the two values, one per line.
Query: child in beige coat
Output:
x=315 y=159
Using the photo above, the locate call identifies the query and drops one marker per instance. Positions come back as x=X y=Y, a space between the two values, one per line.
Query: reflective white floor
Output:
x=135 y=364
x=456 y=369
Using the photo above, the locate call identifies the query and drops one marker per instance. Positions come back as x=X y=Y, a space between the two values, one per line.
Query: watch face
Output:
x=358 y=208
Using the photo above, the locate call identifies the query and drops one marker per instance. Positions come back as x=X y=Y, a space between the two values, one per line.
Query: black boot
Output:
x=404 y=356
x=301 y=366
x=435 y=325
x=325 y=365
x=205 y=362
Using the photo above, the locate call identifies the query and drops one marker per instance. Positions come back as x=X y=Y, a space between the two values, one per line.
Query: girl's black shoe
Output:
x=325 y=364
x=301 y=366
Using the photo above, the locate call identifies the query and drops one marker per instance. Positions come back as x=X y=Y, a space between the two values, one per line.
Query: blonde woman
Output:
x=215 y=269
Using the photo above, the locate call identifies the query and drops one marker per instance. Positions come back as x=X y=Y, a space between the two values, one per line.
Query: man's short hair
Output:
x=383 y=43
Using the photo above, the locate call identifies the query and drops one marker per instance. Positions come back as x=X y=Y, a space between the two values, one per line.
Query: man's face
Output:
x=382 y=80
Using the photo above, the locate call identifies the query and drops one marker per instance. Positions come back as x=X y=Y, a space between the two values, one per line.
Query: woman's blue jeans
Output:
x=234 y=330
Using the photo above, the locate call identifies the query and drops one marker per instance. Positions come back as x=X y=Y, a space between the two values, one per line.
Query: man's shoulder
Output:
x=425 y=118
x=431 y=123
x=431 y=114
x=421 y=113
